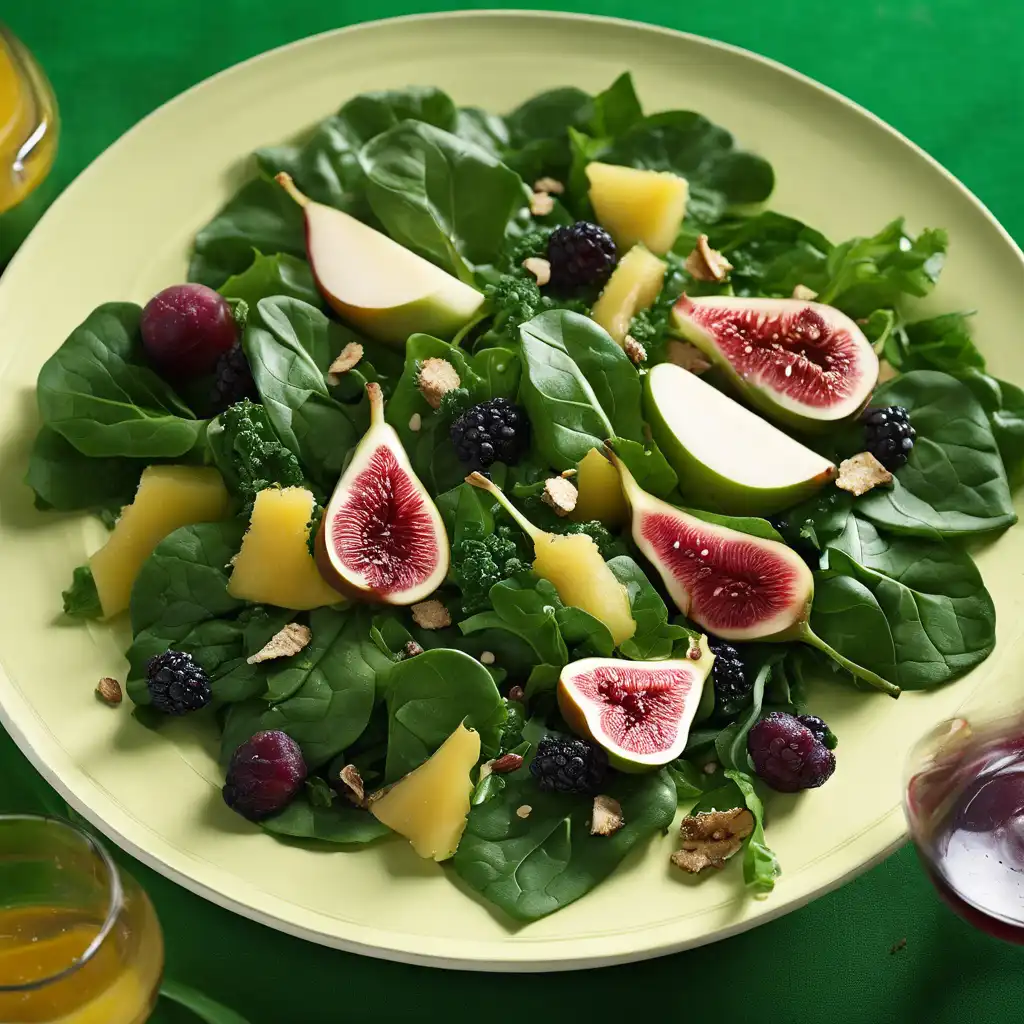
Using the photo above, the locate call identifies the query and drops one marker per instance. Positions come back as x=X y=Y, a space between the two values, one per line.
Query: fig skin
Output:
x=331 y=576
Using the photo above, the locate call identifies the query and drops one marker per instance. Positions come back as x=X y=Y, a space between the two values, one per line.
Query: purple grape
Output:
x=185 y=330
x=264 y=776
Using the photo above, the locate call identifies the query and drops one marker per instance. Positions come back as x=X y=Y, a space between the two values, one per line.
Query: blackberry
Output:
x=232 y=380
x=821 y=731
x=177 y=685
x=889 y=435
x=264 y=775
x=568 y=765
x=580 y=255
x=787 y=755
x=732 y=688
x=493 y=431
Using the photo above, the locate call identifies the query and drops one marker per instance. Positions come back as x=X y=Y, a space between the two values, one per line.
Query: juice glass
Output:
x=965 y=807
x=79 y=940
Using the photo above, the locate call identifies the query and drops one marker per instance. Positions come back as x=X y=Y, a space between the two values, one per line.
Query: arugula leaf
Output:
x=731 y=744
x=280 y=274
x=81 y=599
x=954 y=482
x=760 y=864
x=531 y=867
x=428 y=696
x=98 y=392
x=655 y=636
x=336 y=823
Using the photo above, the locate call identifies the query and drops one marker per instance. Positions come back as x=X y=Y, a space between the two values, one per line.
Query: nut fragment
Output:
x=636 y=352
x=283 y=644
x=524 y=811
x=568 y=474
x=552 y=185
x=711 y=838
x=606 y=818
x=347 y=359
x=415 y=422
x=516 y=694
x=109 y=691
x=705 y=263
x=411 y=649
x=353 y=781
x=540 y=268
x=862 y=473
x=688 y=356
x=431 y=614
x=541 y=204
x=507 y=763
x=436 y=378
x=560 y=494
x=487 y=658
x=804 y=294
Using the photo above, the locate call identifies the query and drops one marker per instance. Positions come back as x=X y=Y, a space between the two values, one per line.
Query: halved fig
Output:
x=381 y=537
x=640 y=712
x=803 y=363
x=735 y=585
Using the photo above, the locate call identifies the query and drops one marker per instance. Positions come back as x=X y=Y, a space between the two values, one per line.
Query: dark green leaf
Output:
x=206 y=1009
x=616 y=109
x=731 y=744
x=655 y=636
x=335 y=823
x=279 y=274
x=81 y=599
x=760 y=864
x=648 y=465
x=499 y=370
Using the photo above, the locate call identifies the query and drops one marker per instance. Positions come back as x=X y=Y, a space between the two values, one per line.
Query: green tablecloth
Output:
x=948 y=74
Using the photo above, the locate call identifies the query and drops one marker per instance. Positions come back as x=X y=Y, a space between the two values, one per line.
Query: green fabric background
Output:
x=947 y=73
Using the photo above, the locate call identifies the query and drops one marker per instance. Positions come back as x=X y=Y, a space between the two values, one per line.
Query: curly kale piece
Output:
x=478 y=562
x=249 y=453
x=607 y=543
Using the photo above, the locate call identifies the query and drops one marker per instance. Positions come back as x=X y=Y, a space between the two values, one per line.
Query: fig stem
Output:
x=284 y=179
x=810 y=637
x=480 y=481
x=376 y=397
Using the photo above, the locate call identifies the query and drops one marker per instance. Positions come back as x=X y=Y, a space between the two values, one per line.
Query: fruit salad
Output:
x=495 y=478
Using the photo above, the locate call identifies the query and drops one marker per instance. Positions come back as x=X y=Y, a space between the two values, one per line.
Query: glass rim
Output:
x=115 y=902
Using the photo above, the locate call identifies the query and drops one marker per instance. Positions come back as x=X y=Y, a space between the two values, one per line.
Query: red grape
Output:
x=185 y=328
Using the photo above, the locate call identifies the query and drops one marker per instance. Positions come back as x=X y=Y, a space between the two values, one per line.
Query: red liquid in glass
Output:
x=971 y=833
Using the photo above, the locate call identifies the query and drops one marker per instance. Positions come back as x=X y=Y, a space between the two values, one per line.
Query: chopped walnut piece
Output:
x=560 y=494
x=347 y=359
x=711 y=838
x=862 y=473
x=109 y=691
x=540 y=268
x=524 y=811
x=283 y=644
x=436 y=378
x=688 y=356
x=705 y=263
x=804 y=294
x=506 y=763
x=552 y=185
x=353 y=782
x=541 y=204
x=431 y=614
x=636 y=352
x=606 y=818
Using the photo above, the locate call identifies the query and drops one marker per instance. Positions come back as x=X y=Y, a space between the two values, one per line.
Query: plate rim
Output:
x=881 y=838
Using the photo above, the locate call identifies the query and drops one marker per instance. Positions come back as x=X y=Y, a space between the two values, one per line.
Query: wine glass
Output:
x=79 y=940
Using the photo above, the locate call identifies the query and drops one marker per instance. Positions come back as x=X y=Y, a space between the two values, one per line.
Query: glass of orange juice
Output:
x=28 y=140
x=79 y=939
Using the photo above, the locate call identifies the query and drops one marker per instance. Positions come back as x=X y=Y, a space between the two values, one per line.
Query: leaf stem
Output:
x=480 y=481
x=810 y=637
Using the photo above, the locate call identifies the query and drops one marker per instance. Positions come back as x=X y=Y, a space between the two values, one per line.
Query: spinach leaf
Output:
x=819 y=519
x=236 y=680
x=690 y=781
x=531 y=867
x=565 y=413
x=585 y=635
x=428 y=696
x=940 y=343
x=499 y=370
x=66 y=480
x=336 y=823
x=752 y=525
x=81 y=599
x=259 y=218
x=655 y=636
x=1004 y=405
x=616 y=109
x=954 y=482
x=488 y=131
x=373 y=113
x=98 y=393
x=288 y=344
x=538 y=132
x=648 y=465
x=441 y=196
x=279 y=274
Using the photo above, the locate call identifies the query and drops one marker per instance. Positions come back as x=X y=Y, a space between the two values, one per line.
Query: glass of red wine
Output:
x=965 y=807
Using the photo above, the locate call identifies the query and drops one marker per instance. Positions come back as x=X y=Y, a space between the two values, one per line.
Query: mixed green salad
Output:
x=526 y=643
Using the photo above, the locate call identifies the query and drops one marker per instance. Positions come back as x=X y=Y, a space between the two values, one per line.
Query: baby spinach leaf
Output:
x=616 y=109
x=586 y=636
x=752 y=525
x=1004 y=405
x=819 y=519
x=441 y=196
x=690 y=781
x=565 y=413
x=940 y=343
x=655 y=636
x=488 y=131
x=648 y=465
x=760 y=864
x=954 y=482
x=373 y=113
x=336 y=823
x=81 y=599
x=499 y=370
x=98 y=393
x=538 y=132
x=428 y=696
x=531 y=867
x=279 y=274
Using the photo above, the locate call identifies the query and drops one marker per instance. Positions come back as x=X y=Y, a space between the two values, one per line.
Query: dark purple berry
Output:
x=232 y=380
x=581 y=255
x=566 y=764
x=732 y=687
x=821 y=731
x=787 y=756
x=888 y=435
x=176 y=684
x=264 y=775
x=493 y=431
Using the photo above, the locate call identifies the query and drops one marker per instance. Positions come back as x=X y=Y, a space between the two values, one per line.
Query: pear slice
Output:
x=574 y=566
x=376 y=284
x=381 y=537
x=728 y=459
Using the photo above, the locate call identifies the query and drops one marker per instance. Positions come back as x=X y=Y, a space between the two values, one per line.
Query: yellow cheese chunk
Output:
x=633 y=286
x=168 y=497
x=638 y=206
x=600 y=492
x=274 y=565
x=429 y=805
